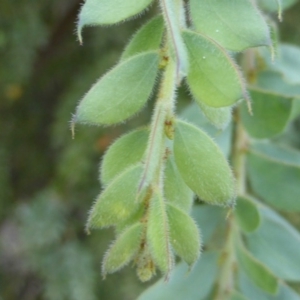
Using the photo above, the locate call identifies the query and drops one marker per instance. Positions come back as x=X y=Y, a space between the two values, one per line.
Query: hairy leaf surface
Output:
x=213 y=77
x=235 y=24
x=124 y=152
x=184 y=235
x=202 y=165
x=123 y=249
x=147 y=38
x=118 y=201
x=120 y=93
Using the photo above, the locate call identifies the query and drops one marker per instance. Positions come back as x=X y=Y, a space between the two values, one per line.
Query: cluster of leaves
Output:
x=152 y=174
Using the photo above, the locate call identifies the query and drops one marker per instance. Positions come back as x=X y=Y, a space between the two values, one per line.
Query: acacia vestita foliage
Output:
x=151 y=175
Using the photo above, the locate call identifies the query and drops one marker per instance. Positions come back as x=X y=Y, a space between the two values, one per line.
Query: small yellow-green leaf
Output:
x=213 y=77
x=102 y=12
x=259 y=273
x=202 y=165
x=148 y=38
x=184 y=235
x=158 y=237
x=123 y=250
x=176 y=191
x=118 y=201
x=120 y=93
x=247 y=214
x=235 y=24
x=124 y=152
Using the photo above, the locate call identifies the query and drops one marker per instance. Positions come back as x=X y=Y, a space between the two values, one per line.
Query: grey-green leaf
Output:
x=202 y=165
x=272 y=5
x=158 y=237
x=277 y=244
x=213 y=77
x=253 y=292
x=275 y=82
x=124 y=152
x=123 y=250
x=102 y=12
x=235 y=24
x=274 y=174
x=118 y=201
x=271 y=113
x=147 y=38
x=259 y=274
x=176 y=191
x=247 y=214
x=219 y=117
x=184 y=235
x=184 y=284
x=120 y=93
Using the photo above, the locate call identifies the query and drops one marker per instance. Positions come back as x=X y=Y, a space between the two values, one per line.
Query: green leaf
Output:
x=125 y=151
x=271 y=114
x=235 y=24
x=213 y=77
x=147 y=38
x=193 y=114
x=102 y=12
x=274 y=174
x=123 y=250
x=184 y=284
x=105 y=104
x=208 y=218
x=184 y=235
x=277 y=244
x=118 y=201
x=253 y=292
x=275 y=82
x=158 y=238
x=259 y=274
x=247 y=214
x=219 y=117
x=176 y=191
x=197 y=158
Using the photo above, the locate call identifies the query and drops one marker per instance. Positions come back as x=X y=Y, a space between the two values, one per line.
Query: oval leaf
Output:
x=274 y=174
x=123 y=250
x=213 y=77
x=259 y=274
x=235 y=24
x=271 y=114
x=102 y=12
x=148 y=38
x=125 y=151
x=247 y=214
x=106 y=104
x=277 y=244
x=118 y=201
x=184 y=284
x=158 y=238
x=202 y=165
x=184 y=235
x=175 y=189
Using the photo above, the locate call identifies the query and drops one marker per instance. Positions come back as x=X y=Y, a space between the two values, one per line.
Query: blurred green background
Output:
x=47 y=180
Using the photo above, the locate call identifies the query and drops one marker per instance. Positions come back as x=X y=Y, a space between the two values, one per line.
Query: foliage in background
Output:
x=42 y=71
